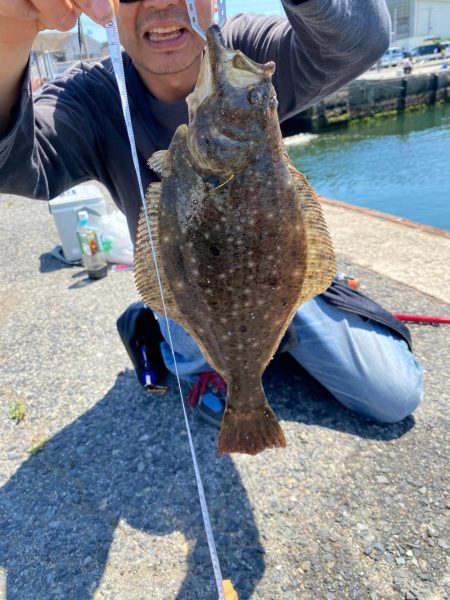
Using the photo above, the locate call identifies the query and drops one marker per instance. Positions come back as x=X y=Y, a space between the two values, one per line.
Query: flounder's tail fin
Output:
x=250 y=430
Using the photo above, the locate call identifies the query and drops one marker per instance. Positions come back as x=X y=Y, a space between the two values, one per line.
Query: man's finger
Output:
x=69 y=20
x=98 y=10
x=54 y=14
x=23 y=10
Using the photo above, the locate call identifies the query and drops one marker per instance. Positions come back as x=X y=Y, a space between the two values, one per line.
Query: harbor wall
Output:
x=366 y=98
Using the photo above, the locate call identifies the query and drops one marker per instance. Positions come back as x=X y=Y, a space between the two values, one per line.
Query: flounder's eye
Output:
x=255 y=96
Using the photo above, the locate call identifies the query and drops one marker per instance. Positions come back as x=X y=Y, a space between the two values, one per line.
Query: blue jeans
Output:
x=364 y=365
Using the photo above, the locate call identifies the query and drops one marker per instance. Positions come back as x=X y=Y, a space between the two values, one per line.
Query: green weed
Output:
x=18 y=411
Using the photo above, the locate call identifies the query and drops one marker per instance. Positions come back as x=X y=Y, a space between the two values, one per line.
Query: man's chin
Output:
x=172 y=65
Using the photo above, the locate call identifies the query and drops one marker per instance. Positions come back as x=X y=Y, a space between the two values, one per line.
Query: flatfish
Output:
x=239 y=235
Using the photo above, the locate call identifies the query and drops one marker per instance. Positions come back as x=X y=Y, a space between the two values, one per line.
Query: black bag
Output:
x=344 y=297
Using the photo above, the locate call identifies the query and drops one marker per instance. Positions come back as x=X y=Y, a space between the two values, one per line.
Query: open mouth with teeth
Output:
x=165 y=34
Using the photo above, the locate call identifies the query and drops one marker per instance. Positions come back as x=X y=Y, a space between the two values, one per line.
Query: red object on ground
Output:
x=206 y=379
x=353 y=283
x=423 y=319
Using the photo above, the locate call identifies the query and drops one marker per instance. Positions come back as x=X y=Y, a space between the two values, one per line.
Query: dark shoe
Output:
x=141 y=336
x=209 y=394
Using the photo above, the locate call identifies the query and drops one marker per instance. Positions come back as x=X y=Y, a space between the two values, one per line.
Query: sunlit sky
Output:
x=270 y=7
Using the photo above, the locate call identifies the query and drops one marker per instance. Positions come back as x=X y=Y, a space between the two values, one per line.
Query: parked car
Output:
x=392 y=57
x=428 y=51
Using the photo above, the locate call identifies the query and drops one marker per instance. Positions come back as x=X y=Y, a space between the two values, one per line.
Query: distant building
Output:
x=54 y=52
x=65 y=47
x=415 y=21
x=104 y=49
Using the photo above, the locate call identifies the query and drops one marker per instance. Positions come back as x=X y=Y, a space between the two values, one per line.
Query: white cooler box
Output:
x=65 y=209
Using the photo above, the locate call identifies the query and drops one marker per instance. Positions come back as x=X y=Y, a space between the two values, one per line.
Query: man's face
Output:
x=158 y=37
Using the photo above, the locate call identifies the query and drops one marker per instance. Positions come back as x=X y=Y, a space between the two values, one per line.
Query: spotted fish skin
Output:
x=240 y=236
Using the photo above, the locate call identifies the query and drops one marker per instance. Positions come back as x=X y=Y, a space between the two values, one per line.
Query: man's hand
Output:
x=21 y=20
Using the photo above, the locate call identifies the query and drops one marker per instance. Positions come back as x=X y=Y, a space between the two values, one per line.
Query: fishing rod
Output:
x=353 y=283
x=423 y=319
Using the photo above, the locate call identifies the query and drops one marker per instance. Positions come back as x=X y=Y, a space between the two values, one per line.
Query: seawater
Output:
x=398 y=165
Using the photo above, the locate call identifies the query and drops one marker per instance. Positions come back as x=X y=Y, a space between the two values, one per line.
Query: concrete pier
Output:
x=376 y=93
x=107 y=509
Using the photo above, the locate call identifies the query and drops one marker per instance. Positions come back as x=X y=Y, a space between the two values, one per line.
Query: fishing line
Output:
x=117 y=63
x=80 y=35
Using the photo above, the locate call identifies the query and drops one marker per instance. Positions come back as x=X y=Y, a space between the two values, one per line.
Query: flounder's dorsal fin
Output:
x=158 y=164
x=144 y=266
x=320 y=261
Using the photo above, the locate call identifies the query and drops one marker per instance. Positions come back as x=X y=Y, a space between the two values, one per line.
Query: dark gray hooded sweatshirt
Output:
x=74 y=131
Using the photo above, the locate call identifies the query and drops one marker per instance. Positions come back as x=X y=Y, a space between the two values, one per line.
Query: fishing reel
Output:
x=219 y=15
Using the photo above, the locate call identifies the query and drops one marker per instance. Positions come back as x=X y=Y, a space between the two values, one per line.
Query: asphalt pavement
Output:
x=108 y=509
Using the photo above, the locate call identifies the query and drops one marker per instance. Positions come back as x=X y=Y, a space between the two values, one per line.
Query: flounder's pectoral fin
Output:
x=321 y=261
x=158 y=162
x=145 y=274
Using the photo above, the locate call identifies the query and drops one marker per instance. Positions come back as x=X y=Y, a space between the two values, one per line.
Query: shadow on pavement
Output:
x=296 y=396
x=126 y=458
x=49 y=262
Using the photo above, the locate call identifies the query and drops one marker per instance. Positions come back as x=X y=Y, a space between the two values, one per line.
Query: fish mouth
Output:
x=236 y=66
x=220 y=65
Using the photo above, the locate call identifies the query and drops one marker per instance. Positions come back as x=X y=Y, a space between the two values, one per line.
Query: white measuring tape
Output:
x=117 y=62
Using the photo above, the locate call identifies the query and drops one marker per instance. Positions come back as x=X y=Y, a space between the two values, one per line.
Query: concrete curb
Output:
x=387 y=217
x=414 y=254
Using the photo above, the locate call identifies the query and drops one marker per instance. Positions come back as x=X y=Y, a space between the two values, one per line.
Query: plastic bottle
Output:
x=94 y=260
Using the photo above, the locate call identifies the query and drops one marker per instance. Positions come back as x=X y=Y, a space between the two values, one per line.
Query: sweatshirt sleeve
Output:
x=51 y=145
x=322 y=45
